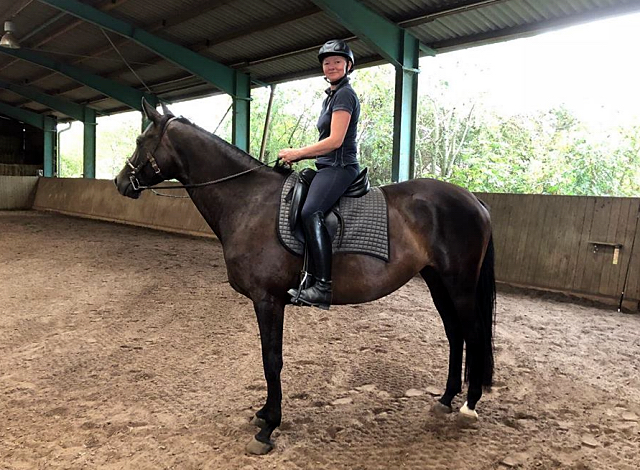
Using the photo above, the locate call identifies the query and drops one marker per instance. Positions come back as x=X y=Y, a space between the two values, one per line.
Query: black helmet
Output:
x=336 y=47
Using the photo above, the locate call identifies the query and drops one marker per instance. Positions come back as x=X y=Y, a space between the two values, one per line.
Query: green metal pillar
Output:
x=50 y=138
x=240 y=134
x=406 y=100
x=89 y=150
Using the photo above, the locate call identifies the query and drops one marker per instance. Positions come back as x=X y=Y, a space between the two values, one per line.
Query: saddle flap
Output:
x=360 y=186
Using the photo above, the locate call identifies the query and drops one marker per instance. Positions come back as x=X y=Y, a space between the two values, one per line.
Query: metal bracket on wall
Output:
x=616 y=248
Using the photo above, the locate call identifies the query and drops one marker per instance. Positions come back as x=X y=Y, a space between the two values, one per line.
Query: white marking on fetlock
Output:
x=468 y=413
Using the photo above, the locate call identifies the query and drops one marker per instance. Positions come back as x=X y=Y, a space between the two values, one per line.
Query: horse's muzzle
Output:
x=125 y=187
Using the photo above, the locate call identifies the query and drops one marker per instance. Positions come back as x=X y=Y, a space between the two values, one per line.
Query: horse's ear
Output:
x=165 y=109
x=150 y=112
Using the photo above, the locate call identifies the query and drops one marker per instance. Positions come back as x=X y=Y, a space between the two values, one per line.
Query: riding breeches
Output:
x=326 y=188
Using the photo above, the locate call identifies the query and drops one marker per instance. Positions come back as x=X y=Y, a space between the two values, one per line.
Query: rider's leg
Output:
x=325 y=190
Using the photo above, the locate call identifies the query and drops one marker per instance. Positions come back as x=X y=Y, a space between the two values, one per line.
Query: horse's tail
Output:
x=485 y=309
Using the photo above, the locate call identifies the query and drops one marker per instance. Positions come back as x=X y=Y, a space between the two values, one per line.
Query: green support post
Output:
x=50 y=134
x=89 y=150
x=404 y=120
x=240 y=134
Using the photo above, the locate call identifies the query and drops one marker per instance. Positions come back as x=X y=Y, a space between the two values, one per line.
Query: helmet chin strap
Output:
x=336 y=82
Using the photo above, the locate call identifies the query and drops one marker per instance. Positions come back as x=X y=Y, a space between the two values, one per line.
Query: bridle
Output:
x=150 y=160
x=135 y=170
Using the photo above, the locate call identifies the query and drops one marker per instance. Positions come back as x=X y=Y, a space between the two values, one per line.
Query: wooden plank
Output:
x=518 y=249
x=505 y=243
x=500 y=216
x=538 y=249
x=571 y=217
x=599 y=229
x=553 y=258
x=627 y=233
x=582 y=246
x=536 y=239
x=632 y=289
x=510 y=206
x=608 y=269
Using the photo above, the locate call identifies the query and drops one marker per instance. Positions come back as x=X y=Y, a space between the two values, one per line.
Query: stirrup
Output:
x=322 y=290
x=305 y=277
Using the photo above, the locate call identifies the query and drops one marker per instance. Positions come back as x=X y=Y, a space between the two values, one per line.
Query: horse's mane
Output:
x=235 y=151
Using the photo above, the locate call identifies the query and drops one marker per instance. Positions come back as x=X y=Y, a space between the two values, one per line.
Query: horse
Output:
x=437 y=230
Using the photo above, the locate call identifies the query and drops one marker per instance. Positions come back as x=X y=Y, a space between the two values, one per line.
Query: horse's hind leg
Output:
x=447 y=311
x=270 y=314
x=463 y=296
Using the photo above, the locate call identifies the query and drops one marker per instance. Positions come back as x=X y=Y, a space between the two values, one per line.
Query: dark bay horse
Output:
x=436 y=229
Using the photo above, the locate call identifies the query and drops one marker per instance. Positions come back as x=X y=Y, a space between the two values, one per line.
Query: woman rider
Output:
x=337 y=165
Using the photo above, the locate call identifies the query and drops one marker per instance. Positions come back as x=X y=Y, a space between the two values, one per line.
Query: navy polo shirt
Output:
x=343 y=98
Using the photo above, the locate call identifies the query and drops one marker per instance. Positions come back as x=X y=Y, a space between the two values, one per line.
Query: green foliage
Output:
x=457 y=139
x=116 y=141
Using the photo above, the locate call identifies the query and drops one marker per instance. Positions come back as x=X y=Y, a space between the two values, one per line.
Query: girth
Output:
x=332 y=219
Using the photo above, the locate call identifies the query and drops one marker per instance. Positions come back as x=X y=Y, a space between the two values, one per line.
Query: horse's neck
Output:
x=207 y=159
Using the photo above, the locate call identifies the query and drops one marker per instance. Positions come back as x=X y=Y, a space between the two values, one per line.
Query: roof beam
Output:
x=127 y=95
x=218 y=74
x=28 y=117
x=197 y=47
x=105 y=6
x=69 y=108
x=206 y=7
x=376 y=30
x=452 y=9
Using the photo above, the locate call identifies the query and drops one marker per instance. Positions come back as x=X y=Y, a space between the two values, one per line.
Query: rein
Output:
x=133 y=176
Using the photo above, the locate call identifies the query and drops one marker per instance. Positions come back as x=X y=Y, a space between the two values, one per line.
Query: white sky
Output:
x=592 y=68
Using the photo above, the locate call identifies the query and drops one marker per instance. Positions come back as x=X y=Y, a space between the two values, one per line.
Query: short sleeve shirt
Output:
x=343 y=98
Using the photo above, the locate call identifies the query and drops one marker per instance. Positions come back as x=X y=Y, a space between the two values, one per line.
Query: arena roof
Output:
x=272 y=40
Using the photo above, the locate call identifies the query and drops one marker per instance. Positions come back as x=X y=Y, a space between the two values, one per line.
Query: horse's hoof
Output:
x=439 y=409
x=261 y=423
x=255 y=447
x=467 y=416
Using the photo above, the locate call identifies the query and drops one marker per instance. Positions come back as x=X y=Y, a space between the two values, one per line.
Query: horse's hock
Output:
x=125 y=347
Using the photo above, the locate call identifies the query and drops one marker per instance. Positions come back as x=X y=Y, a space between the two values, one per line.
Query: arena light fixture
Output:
x=9 y=40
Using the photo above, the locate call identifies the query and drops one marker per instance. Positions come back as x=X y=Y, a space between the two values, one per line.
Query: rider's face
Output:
x=334 y=67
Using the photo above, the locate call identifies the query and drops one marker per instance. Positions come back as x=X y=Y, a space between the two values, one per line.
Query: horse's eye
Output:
x=138 y=140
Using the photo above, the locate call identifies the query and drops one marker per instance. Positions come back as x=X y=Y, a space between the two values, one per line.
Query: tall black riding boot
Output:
x=319 y=245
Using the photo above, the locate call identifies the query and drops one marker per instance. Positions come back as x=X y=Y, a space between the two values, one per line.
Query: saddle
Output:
x=332 y=219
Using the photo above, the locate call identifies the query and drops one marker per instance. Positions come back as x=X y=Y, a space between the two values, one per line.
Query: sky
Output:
x=592 y=69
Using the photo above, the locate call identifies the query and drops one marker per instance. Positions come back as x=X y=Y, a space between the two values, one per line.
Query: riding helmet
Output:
x=336 y=47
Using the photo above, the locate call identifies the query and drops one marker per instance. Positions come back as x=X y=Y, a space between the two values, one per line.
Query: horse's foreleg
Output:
x=270 y=314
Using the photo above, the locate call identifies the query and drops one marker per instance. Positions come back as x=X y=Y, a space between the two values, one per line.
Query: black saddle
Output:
x=332 y=219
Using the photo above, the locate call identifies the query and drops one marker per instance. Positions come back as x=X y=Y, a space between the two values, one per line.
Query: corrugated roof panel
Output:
x=310 y=32
x=149 y=12
x=263 y=37
x=525 y=11
x=74 y=44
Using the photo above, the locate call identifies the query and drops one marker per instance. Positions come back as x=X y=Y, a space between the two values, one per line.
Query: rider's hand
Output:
x=289 y=155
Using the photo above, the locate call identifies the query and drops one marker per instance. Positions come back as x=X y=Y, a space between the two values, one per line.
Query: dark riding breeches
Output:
x=326 y=188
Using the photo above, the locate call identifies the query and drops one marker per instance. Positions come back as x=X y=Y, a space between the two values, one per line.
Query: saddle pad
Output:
x=366 y=224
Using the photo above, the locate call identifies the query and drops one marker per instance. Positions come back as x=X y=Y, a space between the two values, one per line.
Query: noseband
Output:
x=135 y=170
